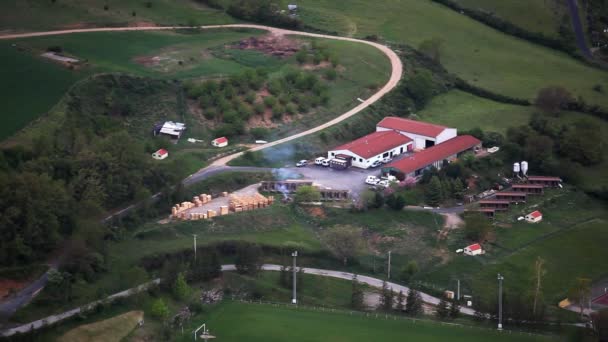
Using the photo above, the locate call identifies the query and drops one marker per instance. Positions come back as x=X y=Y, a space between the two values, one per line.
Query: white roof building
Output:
x=424 y=134
x=173 y=129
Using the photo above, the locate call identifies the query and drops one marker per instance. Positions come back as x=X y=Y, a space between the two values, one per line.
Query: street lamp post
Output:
x=194 y=236
x=389 y=265
x=294 y=255
x=500 y=279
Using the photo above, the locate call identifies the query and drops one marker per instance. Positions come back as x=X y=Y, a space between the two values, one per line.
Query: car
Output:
x=372 y=180
x=376 y=164
x=384 y=183
x=325 y=162
x=387 y=160
x=319 y=160
x=302 y=163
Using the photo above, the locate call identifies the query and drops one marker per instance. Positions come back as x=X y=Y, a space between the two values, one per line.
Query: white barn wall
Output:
x=447 y=134
x=364 y=163
x=419 y=140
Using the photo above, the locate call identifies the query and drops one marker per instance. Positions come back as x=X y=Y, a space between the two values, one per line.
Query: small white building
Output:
x=373 y=147
x=160 y=154
x=534 y=217
x=474 y=249
x=220 y=142
x=173 y=129
x=423 y=134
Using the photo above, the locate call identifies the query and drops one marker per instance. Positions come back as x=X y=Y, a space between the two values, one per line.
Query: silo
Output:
x=524 y=167
x=516 y=168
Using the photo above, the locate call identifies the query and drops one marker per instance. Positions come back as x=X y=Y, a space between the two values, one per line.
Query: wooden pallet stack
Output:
x=245 y=203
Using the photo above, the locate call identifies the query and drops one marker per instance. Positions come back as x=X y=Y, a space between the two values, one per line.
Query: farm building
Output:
x=530 y=189
x=474 y=249
x=172 y=129
x=160 y=154
x=220 y=142
x=495 y=204
x=423 y=134
x=375 y=146
x=513 y=197
x=545 y=181
x=487 y=212
x=535 y=216
x=436 y=156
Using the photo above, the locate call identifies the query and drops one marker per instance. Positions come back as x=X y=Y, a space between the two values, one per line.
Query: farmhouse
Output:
x=513 y=197
x=474 y=249
x=220 y=142
x=530 y=189
x=534 y=217
x=545 y=181
x=423 y=134
x=497 y=205
x=172 y=129
x=160 y=154
x=436 y=156
x=364 y=151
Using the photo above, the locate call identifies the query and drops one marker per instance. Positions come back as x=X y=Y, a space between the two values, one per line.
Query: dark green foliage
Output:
x=443 y=309
x=583 y=143
x=454 y=309
x=259 y=132
x=159 y=309
x=207 y=265
x=476 y=227
x=433 y=192
x=356 y=297
x=262 y=11
x=400 y=302
x=248 y=259
x=386 y=298
x=413 y=306
x=379 y=200
x=180 y=288
x=408 y=271
x=420 y=88
x=396 y=201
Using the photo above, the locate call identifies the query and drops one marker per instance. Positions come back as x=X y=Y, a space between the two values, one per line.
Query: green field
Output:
x=475 y=52
x=533 y=15
x=32 y=15
x=268 y=323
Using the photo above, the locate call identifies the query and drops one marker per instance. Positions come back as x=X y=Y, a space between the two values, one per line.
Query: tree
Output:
x=159 y=309
x=420 y=88
x=552 y=100
x=454 y=309
x=432 y=48
x=477 y=227
x=600 y=324
x=180 y=288
x=582 y=143
x=433 y=192
x=207 y=265
x=386 y=298
x=538 y=148
x=356 y=297
x=396 y=202
x=344 y=241
x=378 y=200
x=580 y=293
x=248 y=259
x=408 y=271
x=413 y=306
x=539 y=273
x=307 y=193
x=443 y=309
x=400 y=301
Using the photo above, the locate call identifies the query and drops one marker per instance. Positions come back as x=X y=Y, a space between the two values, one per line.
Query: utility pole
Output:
x=500 y=279
x=389 y=264
x=294 y=255
x=194 y=236
x=458 y=290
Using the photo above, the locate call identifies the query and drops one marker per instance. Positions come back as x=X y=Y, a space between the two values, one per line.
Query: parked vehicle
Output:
x=389 y=178
x=319 y=160
x=387 y=160
x=384 y=183
x=376 y=164
x=325 y=162
x=302 y=163
x=372 y=180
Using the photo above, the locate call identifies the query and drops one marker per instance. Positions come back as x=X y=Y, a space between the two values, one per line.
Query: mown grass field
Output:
x=30 y=15
x=533 y=15
x=268 y=323
x=111 y=329
x=475 y=52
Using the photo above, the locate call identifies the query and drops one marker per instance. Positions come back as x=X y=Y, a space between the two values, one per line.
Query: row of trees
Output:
x=389 y=301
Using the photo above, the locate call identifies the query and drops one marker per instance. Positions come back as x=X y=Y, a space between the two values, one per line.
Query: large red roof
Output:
x=221 y=140
x=435 y=153
x=374 y=144
x=161 y=152
x=474 y=247
x=411 y=126
x=536 y=214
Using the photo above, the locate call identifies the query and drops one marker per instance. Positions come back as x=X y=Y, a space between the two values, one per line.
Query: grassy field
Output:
x=268 y=323
x=533 y=15
x=33 y=15
x=471 y=50
x=109 y=330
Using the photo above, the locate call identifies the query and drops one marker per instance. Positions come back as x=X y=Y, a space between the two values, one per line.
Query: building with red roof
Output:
x=535 y=216
x=372 y=147
x=436 y=156
x=160 y=154
x=424 y=134
x=220 y=142
x=474 y=249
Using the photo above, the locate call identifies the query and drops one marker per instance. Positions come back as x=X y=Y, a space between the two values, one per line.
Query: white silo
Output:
x=516 y=168
x=524 y=167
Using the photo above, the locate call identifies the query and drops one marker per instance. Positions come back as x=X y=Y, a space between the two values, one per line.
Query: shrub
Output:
x=258 y=108
x=331 y=74
x=270 y=101
x=259 y=132
x=250 y=97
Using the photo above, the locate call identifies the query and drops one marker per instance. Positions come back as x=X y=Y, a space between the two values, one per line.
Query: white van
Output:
x=319 y=161
x=325 y=162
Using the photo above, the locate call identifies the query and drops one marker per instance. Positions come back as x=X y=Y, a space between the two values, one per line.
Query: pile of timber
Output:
x=244 y=203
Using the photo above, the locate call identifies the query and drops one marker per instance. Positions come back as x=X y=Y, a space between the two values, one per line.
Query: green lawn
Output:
x=234 y=321
x=471 y=50
x=34 y=15
x=532 y=15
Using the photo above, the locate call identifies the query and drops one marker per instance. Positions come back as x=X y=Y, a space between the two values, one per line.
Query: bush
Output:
x=270 y=101
x=331 y=74
x=259 y=132
x=159 y=309
x=258 y=108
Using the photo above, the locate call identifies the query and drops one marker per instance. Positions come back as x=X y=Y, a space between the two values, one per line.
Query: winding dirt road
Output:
x=396 y=69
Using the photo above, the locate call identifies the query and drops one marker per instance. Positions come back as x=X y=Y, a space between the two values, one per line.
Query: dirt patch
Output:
x=321 y=65
x=317 y=212
x=270 y=44
x=147 y=61
x=76 y=26
x=8 y=286
x=142 y=24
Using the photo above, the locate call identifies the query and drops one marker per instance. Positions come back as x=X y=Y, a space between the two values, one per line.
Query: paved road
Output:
x=374 y=282
x=579 y=31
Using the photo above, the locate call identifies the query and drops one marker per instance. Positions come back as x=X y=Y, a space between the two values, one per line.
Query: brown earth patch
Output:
x=147 y=61
x=8 y=286
x=321 y=65
x=317 y=212
x=142 y=24
x=270 y=44
x=76 y=26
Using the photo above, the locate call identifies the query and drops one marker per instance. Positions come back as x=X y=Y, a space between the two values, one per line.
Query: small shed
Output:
x=220 y=142
x=474 y=249
x=534 y=217
x=160 y=154
x=292 y=7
